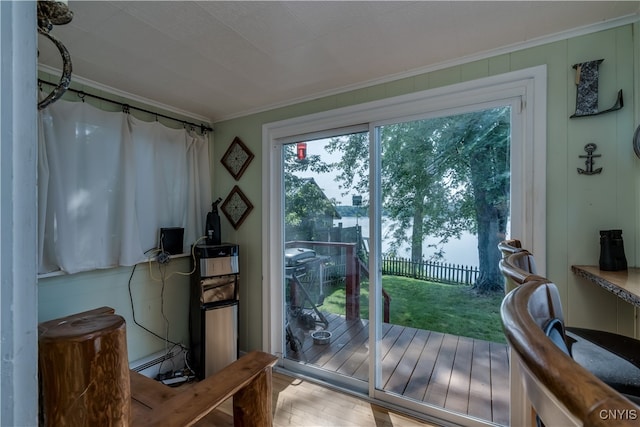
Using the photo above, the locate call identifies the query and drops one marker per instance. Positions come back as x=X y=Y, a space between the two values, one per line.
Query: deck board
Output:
x=439 y=384
x=355 y=338
x=465 y=375
x=396 y=353
x=458 y=394
x=500 y=383
x=480 y=390
x=398 y=381
x=418 y=382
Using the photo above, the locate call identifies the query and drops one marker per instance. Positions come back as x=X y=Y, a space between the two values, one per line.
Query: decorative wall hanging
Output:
x=636 y=141
x=52 y=13
x=236 y=207
x=301 y=151
x=589 y=148
x=237 y=158
x=587 y=93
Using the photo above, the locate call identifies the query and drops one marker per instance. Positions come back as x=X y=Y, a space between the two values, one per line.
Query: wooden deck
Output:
x=460 y=374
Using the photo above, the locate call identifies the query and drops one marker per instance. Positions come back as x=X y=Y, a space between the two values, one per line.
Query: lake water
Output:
x=460 y=251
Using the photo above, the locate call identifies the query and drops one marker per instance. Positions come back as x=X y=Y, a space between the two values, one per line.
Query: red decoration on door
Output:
x=301 y=149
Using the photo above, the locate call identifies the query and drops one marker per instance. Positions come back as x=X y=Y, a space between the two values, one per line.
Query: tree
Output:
x=415 y=194
x=307 y=209
x=440 y=176
x=414 y=191
x=475 y=148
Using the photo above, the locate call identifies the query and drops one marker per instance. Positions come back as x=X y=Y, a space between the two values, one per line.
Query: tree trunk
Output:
x=416 y=235
x=416 y=238
x=492 y=221
x=489 y=235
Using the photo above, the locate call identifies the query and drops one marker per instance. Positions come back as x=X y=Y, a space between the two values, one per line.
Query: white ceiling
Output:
x=225 y=59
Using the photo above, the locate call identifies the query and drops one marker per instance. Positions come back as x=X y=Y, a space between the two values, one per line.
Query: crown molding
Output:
x=79 y=80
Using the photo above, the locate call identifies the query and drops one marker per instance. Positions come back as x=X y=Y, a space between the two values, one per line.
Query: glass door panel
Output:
x=445 y=206
x=326 y=232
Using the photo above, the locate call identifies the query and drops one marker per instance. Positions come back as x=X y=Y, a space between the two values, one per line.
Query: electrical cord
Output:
x=163 y=258
x=133 y=312
x=165 y=339
x=187 y=371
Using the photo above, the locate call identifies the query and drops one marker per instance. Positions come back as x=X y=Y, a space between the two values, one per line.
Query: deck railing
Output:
x=430 y=271
x=352 y=270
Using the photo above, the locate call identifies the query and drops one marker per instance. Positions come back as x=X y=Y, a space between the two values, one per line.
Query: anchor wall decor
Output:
x=587 y=93
x=589 y=148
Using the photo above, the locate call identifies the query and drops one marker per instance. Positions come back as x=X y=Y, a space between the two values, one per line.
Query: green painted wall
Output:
x=66 y=294
x=578 y=206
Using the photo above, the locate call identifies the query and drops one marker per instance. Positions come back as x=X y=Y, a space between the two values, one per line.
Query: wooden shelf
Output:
x=625 y=284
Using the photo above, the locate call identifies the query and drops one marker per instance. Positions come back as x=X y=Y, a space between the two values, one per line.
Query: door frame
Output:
x=528 y=161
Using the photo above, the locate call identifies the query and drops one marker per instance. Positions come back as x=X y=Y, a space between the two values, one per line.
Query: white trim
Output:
x=515 y=47
x=272 y=236
x=18 y=219
x=56 y=273
x=75 y=79
x=375 y=267
x=474 y=91
x=525 y=90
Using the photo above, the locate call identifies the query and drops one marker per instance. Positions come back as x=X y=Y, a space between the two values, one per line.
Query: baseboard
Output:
x=160 y=362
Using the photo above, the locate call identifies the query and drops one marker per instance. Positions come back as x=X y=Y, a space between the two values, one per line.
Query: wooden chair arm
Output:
x=146 y=394
x=248 y=380
x=561 y=391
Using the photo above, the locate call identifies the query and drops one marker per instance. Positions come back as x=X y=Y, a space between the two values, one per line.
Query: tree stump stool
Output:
x=84 y=372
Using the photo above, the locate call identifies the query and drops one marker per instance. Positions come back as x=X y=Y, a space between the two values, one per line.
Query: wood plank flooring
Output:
x=303 y=403
x=461 y=374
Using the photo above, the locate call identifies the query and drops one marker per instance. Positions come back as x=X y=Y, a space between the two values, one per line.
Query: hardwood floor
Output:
x=302 y=403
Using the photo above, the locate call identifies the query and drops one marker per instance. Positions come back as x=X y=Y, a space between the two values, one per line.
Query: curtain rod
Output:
x=127 y=107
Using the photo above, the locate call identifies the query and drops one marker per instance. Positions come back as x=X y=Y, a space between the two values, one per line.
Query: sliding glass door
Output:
x=445 y=206
x=381 y=232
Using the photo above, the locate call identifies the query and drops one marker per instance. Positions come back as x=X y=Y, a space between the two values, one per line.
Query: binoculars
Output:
x=612 y=256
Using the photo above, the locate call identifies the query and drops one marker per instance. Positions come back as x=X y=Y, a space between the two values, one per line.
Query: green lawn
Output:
x=437 y=307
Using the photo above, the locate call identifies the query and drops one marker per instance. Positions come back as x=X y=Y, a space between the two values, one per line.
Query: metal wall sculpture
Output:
x=587 y=93
x=588 y=163
x=52 y=13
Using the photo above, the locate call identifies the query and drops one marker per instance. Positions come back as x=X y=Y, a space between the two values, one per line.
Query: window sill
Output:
x=57 y=273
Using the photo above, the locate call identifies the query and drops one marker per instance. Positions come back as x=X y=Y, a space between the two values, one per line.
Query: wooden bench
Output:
x=560 y=391
x=105 y=392
x=247 y=381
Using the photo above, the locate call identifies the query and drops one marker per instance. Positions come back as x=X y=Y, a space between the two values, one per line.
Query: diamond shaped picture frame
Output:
x=236 y=207
x=237 y=158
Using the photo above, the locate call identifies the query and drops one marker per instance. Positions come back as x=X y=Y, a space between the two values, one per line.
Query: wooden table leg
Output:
x=252 y=405
x=84 y=374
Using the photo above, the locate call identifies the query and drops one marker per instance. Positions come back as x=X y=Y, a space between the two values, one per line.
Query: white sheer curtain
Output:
x=108 y=182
